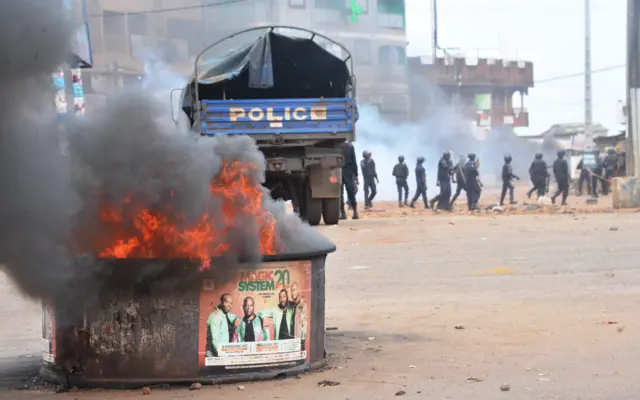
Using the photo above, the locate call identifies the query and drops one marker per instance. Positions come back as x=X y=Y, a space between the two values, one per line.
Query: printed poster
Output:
x=48 y=334
x=260 y=318
x=78 y=91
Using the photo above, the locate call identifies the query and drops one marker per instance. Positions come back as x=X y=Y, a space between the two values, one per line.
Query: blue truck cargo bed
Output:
x=278 y=116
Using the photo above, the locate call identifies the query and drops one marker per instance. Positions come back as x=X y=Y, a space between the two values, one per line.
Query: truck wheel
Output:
x=331 y=211
x=312 y=209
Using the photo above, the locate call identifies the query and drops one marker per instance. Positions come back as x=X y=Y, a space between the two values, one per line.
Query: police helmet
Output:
x=420 y=160
x=561 y=153
x=446 y=154
x=401 y=159
x=366 y=153
x=538 y=156
x=472 y=156
x=507 y=158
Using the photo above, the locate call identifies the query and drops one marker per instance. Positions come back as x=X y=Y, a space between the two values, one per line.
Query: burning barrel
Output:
x=164 y=321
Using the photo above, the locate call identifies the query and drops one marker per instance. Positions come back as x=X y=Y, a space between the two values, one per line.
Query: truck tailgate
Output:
x=277 y=116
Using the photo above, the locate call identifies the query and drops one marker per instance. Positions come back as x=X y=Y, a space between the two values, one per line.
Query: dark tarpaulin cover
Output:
x=256 y=57
x=272 y=67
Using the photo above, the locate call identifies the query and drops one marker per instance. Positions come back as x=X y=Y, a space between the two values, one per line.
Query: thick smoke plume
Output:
x=443 y=127
x=128 y=156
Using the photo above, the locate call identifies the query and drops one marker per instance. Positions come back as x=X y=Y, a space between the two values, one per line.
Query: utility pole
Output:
x=588 y=111
x=434 y=22
x=633 y=87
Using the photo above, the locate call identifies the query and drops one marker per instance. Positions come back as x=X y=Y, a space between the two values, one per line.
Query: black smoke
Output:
x=52 y=194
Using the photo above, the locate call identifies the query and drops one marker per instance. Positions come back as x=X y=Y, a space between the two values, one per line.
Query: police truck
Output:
x=293 y=91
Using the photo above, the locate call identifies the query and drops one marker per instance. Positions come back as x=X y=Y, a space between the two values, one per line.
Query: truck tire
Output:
x=312 y=209
x=331 y=211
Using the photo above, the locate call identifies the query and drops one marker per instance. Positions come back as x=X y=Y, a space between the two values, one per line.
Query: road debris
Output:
x=146 y=390
x=505 y=387
x=474 y=379
x=371 y=338
x=328 y=383
x=332 y=328
x=412 y=366
x=195 y=386
x=400 y=393
x=459 y=326
x=240 y=387
x=610 y=322
x=613 y=229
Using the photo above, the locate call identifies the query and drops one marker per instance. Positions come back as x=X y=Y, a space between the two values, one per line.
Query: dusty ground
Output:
x=550 y=305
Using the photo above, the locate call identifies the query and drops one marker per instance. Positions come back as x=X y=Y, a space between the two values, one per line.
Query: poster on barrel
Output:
x=259 y=318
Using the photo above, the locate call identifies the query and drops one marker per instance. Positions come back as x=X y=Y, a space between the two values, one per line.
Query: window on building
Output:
x=137 y=24
x=391 y=7
x=330 y=4
x=392 y=55
x=191 y=31
x=297 y=3
x=393 y=21
x=114 y=23
x=362 y=51
x=115 y=43
x=363 y=5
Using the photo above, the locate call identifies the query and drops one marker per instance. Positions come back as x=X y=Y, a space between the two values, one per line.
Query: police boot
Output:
x=343 y=213
x=406 y=202
x=355 y=212
x=400 y=204
x=432 y=203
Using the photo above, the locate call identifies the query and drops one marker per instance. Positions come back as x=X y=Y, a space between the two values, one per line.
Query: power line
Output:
x=164 y=10
x=579 y=74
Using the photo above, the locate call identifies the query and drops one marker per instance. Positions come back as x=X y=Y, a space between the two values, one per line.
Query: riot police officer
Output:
x=401 y=173
x=370 y=177
x=445 y=168
x=561 y=173
x=458 y=177
x=421 y=183
x=507 y=177
x=349 y=179
x=471 y=176
x=538 y=171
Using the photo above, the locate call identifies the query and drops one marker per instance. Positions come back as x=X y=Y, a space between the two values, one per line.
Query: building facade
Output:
x=127 y=35
x=488 y=90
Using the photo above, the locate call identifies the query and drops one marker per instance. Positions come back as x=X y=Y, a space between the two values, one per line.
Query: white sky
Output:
x=550 y=33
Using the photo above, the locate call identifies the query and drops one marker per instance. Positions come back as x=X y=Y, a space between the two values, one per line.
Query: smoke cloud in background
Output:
x=130 y=148
x=444 y=128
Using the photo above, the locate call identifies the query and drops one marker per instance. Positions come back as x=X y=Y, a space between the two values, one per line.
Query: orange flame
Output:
x=157 y=234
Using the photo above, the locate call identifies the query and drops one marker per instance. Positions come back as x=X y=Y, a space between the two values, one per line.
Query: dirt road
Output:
x=550 y=305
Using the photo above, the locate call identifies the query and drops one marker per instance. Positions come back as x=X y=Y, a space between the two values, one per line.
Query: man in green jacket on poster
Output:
x=221 y=326
x=281 y=316
x=251 y=328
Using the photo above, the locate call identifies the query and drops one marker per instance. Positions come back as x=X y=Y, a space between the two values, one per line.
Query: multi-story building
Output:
x=488 y=90
x=126 y=34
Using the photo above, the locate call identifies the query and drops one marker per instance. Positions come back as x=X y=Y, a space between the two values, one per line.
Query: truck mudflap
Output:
x=325 y=182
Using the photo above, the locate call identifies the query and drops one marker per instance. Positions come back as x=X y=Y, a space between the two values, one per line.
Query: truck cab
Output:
x=293 y=97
